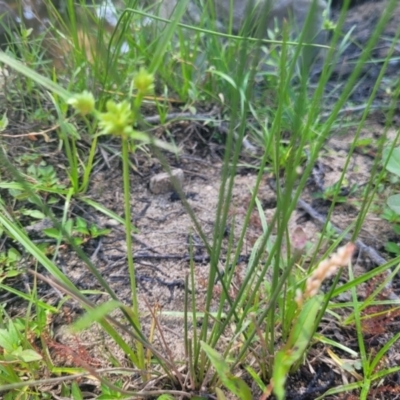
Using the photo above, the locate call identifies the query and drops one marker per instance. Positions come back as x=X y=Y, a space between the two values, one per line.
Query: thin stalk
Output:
x=263 y=315
x=131 y=267
x=241 y=105
x=89 y=165
x=282 y=202
x=193 y=344
x=360 y=338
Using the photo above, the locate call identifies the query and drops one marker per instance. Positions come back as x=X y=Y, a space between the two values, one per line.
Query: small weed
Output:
x=108 y=393
x=17 y=356
x=78 y=229
x=9 y=263
x=339 y=193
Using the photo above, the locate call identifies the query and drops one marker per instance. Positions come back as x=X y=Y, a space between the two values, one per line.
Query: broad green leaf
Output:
x=76 y=392
x=3 y=122
x=304 y=325
x=52 y=232
x=95 y=315
x=394 y=203
x=13 y=255
x=27 y=355
x=299 y=339
x=392 y=247
x=220 y=394
x=6 y=341
x=8 y=274
x=80 y=223
x=34 y=214
x=393 y=164
x=236 y=385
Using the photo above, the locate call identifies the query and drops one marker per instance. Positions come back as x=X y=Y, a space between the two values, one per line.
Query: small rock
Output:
x=161 y=183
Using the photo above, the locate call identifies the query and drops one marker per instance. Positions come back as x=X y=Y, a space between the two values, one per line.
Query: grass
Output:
x=253 y=330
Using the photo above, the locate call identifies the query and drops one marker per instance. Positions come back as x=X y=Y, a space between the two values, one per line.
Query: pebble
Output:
x=161 y=183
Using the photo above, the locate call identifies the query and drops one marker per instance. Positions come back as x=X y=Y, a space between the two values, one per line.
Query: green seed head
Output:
x=143 y=81
x=118 y=119
x=83 y=102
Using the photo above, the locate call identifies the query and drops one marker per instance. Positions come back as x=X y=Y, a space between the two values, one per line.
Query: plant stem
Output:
x=128 y=227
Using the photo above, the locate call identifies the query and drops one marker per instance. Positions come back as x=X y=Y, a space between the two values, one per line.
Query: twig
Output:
x=371 y=252
x=156 y=119
x=32 y=134
x=361 y=107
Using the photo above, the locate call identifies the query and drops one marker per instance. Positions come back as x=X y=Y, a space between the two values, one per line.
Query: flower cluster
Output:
x=83 y=102
x=325 y=270
x=118 y=119
x=144 y=81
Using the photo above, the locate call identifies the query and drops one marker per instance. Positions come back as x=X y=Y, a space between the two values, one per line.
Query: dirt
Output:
x=164 y=232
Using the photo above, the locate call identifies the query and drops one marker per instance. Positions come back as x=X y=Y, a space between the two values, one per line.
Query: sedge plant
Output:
x=268 y=321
